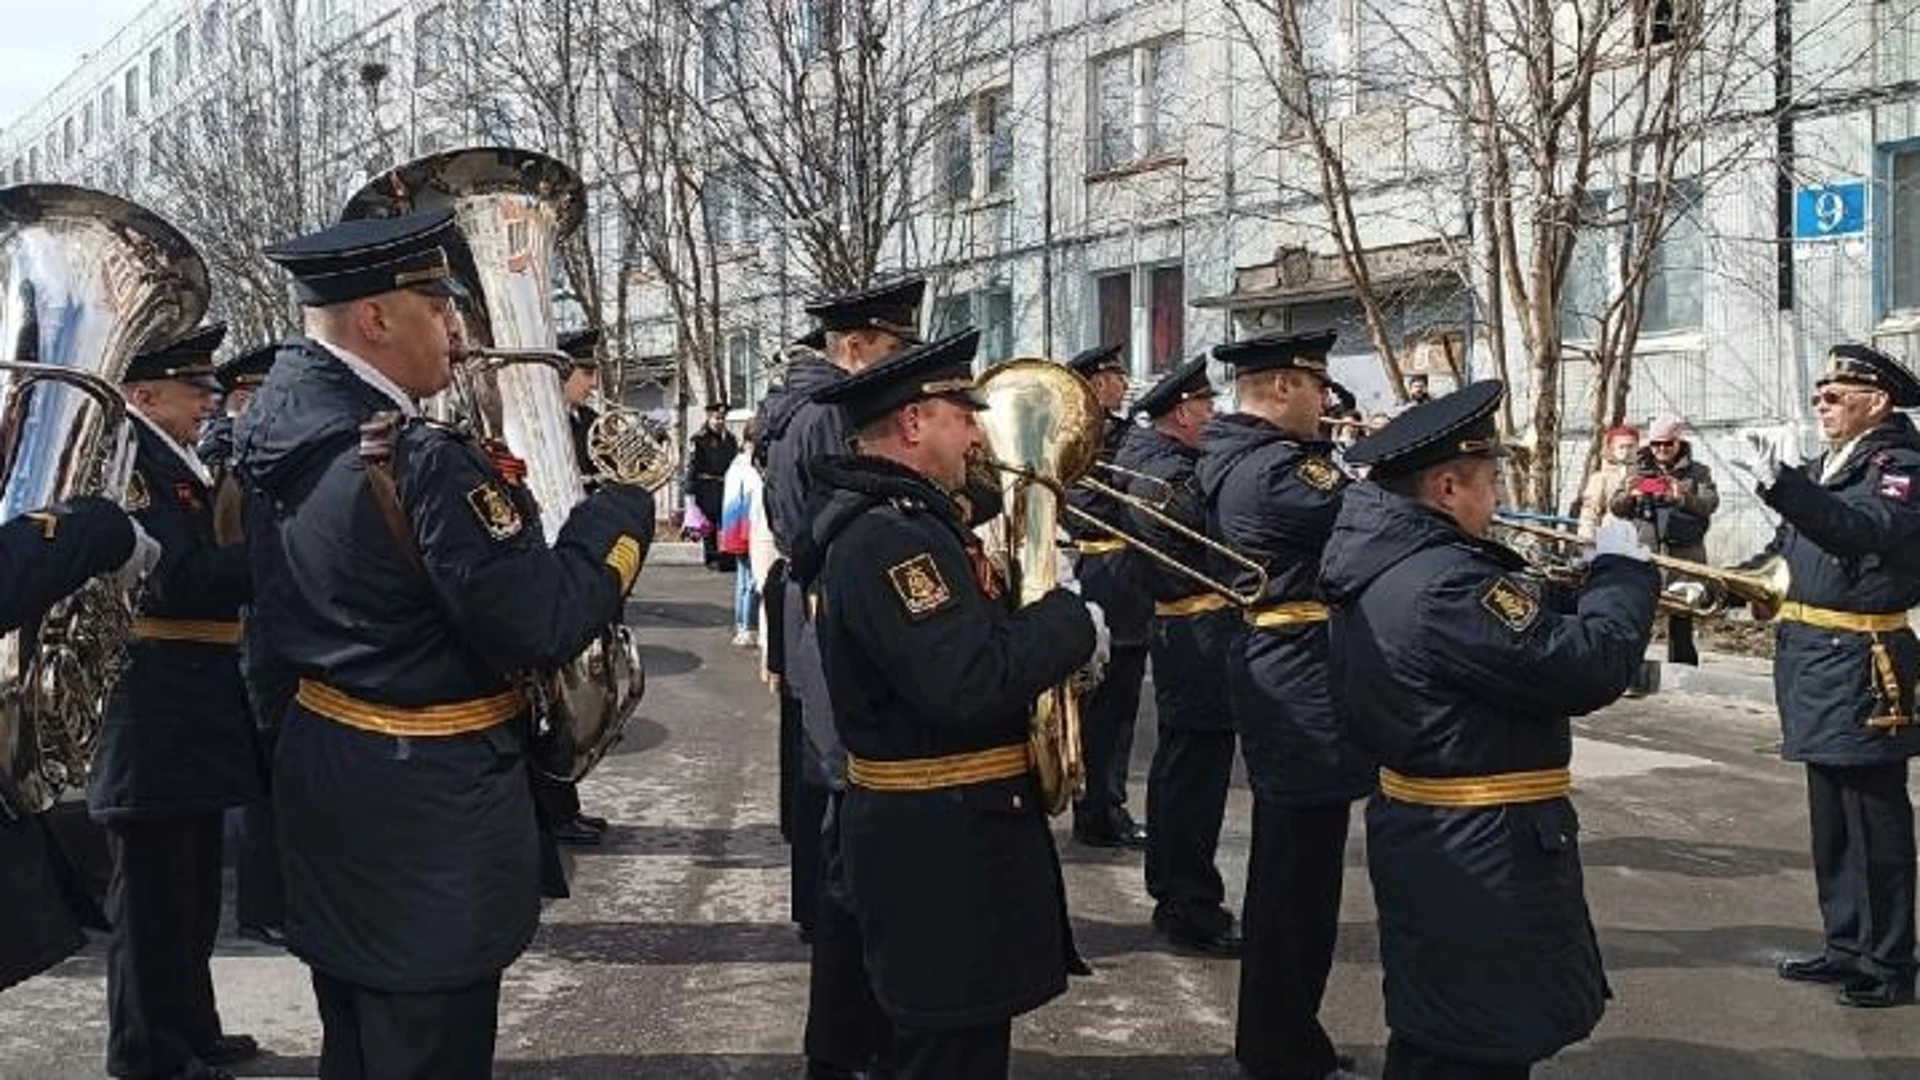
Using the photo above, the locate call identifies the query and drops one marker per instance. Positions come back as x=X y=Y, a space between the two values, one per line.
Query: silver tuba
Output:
x=87 y=280
x=514 y=207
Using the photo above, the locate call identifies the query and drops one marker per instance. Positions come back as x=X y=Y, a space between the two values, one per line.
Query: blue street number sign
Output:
x=1836 y=210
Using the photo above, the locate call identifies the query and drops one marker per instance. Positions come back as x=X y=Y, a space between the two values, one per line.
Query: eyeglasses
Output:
x=1663 y=442
x=1835 y=397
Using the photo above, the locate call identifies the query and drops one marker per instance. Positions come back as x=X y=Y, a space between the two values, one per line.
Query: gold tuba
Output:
x=87 y=280
x=514 y=207
x=1043 y=429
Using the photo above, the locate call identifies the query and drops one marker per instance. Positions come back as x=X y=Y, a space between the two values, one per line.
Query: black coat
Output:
x=1190 y=652
x=177 y=737
x=713 y=451
x=88 y=536
x=958 y=891
x=1853 y=544
x=580 y=419
x=1274 y=500
x=1448 y=659
x=797 y=431
x=40 y=564
x=411 y=863
x=1109 y=579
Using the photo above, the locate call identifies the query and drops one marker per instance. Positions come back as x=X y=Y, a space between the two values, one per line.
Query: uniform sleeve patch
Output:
x=919 y=585
x=1896 y=486
x=1511 y=604
x=1318 y=473
x=138 y=498
x=495 y=511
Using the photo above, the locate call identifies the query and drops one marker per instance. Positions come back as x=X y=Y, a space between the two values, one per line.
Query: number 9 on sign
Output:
x=1834 y=210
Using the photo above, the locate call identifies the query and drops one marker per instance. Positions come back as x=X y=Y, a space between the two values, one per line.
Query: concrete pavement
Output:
x=674 y=957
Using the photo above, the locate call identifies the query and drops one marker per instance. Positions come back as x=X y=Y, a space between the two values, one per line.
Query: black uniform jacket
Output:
x=1190 y=652
x=1449 y=660
x=1109 y=579
x=411 y=863
x=580 y=418
x=177 y=737
x=797 y=431
x=713 y=451
x=42 y=559
x=1853 y=544
x=48 y=554
x=1273 y=499
x=957 y=890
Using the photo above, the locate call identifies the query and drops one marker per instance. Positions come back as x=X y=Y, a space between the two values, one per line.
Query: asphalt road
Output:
x=674 y=957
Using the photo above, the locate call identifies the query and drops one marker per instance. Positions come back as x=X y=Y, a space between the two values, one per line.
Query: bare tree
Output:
x=1549 y=129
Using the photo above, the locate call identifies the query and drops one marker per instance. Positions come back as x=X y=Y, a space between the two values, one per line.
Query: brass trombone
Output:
x=1703 y=595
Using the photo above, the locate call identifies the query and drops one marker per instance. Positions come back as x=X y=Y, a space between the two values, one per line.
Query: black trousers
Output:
x=164 y=903
x=259 y=897
x=1288 y=924
x=845 y=1027
x=1107 y=718
x=1863 y=864
x=805 y=854
x=375 y=1035
x=975 y=1053
x=792 y=745
x=1186 y=800
x=1405 y=1061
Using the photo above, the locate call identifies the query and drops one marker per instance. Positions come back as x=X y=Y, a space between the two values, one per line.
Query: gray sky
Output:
x=44 y=39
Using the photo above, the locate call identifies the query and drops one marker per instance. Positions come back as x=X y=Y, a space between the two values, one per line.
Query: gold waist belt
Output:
x=933 y=774
x=1100 y=547
x=1855 y=621
x=417 y=721
x=1499 y=789
x=211 y=632
x=1291 y=613
x=1189 y=605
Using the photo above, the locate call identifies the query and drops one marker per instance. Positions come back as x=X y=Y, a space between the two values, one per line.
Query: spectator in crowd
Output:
x=1417 y=390
x=714 y=448
x=1616 y=467
x=1670 y=498
x=742 y=485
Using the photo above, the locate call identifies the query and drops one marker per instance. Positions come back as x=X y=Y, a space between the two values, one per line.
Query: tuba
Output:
x=514 y=207
x=1043 y=429
x=87 y=280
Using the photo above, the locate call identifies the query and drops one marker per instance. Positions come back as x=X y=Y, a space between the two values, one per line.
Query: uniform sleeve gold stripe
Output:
x=625 y=561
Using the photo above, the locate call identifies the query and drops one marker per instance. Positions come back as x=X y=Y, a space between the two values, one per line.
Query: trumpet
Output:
x=1702 y=595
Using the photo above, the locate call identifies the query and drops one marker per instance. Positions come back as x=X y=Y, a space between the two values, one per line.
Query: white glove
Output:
x=146 y=553
x=1095 y=668
x=1618 y=537
x=1760 y=455
x=1064 y=574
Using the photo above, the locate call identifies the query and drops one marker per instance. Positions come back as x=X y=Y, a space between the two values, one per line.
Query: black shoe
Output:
x=1130 y=833
x=228 y=1050
x=1818 y=969
x=200 y=1070
x=820 y=1070
x=1224 y=944
x=266 y=935
x=592 y=821
x=1097 y=837
x=577 y=833
x=1873 y=992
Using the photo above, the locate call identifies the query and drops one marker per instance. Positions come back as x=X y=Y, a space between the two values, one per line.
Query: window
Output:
x=1658 y=22
x=1135 y=95
x=996 y=118
x=156 y=74
x=1165 y=292
x=66 y=137
x=732 y=212
x=957 y=161
x=1113 y=111
x=990 y=309
x=819 y=27
x=182 y=53
x=629 y=73
x=210 y=30
x=742 y=381
x=132 y=82
x=107 y=110
x=1381 y=65
x=86 y=123
x=157 y=149
x=1674 y=297
x=720 y=72
x=1903 y=231
x=53 y=151
x=429 y=44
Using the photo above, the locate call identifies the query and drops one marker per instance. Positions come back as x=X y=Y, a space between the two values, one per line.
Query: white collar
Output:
x=373 y=377
x=1837 y=459
x=185 y=453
